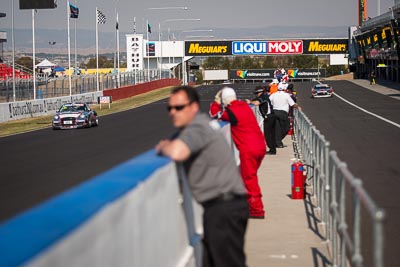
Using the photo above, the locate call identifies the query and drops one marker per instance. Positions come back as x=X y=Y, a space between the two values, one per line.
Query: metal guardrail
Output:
x=338 y=194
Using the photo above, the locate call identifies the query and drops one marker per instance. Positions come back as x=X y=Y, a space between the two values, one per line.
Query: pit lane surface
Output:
x=369 y=146
x=38 y=165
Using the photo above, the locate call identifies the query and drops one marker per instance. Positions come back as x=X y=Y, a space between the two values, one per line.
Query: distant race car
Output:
x=74 y=115
x=227 y=82
x=321 y=90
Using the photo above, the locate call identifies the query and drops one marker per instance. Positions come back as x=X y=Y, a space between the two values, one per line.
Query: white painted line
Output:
x=282 y=256
x=368 y=112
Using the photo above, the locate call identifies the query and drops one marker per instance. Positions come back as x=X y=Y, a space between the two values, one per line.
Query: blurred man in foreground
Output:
x=213 y=178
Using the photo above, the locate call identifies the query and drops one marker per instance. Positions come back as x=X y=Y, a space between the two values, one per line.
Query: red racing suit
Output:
x=250 y=142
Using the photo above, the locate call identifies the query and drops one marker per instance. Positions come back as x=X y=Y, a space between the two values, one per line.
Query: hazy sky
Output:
x=212 y=14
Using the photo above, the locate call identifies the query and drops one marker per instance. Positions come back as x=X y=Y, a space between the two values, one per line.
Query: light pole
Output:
x=200 y=36
x=192 y=31
x=147 y=25
x=52 y=54
x=159 y=39
x=183 y=56
x=378 y=10
x=168 y=8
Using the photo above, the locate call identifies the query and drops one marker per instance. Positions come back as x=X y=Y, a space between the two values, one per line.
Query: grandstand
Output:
x=6 y=72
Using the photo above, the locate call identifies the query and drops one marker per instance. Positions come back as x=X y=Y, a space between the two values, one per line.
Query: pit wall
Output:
x=132 y=90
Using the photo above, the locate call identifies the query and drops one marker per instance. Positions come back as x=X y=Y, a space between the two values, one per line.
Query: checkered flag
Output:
x=101 y=18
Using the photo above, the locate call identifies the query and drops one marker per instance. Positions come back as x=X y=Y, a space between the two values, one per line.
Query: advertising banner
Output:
x=207 y=48
x=325 y=46
x=252 y=74
x=267 y=47
x=268 y=74
x=306 y=73
x=285 y=47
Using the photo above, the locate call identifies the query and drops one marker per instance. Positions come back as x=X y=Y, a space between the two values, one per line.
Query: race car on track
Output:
x=321 y=90
x=74 y=115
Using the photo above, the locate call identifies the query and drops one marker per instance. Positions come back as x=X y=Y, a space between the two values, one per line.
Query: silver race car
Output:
x=74 y=115
x=321 y=90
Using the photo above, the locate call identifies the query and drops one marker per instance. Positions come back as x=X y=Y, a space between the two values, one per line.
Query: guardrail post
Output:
x=327 y=189
x=356 y=257
x=379 y=238
x=194 y=238
x=332 y=229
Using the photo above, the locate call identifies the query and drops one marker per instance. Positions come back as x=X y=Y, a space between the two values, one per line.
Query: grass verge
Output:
x=25 y=125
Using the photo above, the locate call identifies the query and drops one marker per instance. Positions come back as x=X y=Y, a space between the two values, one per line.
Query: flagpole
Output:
x=134 y=32
x=97 y=53
x=115 y=36
x=69 y=51
x=118 y=78
x=33 y=53
x=13 y=48
x=148 y=51
x=75 y=21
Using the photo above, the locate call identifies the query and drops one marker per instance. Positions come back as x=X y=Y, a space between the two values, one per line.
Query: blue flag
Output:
x=149 y=28
x=73 y=11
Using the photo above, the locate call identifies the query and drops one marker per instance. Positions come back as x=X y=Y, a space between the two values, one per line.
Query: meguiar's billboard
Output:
x=325 y=46
x=208 y=48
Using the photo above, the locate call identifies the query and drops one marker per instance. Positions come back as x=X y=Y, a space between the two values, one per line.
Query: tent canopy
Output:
x=45 y=64
x=58 y=68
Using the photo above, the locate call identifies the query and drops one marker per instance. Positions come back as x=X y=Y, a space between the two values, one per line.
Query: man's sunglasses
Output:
x=178 y=107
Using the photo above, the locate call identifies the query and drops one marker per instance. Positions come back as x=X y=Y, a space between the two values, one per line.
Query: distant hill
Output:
x=86 y=38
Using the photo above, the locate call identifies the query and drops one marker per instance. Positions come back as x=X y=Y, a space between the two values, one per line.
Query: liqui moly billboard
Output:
x=285 y=47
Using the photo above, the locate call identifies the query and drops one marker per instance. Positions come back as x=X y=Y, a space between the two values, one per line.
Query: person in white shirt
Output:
x=283 y=85
x=281 y=101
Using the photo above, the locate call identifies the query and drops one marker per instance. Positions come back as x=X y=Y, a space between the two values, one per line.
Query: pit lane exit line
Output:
x=368 y=112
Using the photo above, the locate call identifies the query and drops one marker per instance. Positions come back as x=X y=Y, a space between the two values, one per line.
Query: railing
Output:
x=335 y=190
x=56 y=87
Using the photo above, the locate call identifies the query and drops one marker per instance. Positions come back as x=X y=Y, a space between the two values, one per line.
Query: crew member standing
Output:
x=281 y=101
x=266 y=109
x=273 y=87
x=249 y=141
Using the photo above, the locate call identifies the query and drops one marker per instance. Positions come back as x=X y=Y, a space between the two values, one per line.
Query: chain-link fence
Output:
x=55 y=87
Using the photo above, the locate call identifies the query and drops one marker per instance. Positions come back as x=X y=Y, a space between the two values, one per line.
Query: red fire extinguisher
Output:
x=298 y=180
x=291 y=120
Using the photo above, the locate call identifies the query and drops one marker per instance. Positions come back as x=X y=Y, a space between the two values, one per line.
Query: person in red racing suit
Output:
x=249 y=141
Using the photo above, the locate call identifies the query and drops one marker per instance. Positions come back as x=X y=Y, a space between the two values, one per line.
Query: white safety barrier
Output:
x=141 y=213
x=35 y=108
x=131 y=215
